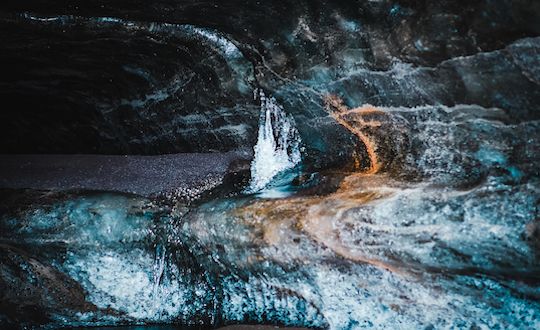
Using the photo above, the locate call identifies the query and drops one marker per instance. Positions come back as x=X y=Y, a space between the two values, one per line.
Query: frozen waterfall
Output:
x=278 y=144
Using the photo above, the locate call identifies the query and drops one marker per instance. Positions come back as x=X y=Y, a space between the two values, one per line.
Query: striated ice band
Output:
x=278 y=144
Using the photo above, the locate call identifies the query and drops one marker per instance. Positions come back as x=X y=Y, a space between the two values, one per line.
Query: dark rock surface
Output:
x=180 y=175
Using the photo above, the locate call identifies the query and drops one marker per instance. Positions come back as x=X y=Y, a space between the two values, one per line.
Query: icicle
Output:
x=278 y=144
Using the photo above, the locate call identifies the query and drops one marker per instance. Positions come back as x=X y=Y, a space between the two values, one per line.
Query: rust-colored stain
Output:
x=338 y=110
x=319 y=217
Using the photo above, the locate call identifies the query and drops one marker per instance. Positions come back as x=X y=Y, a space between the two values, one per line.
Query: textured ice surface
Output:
x=445 y=237
x=453 y=247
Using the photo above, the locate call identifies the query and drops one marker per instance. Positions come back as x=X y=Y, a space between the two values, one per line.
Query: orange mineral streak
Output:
x=325 y=218
x=321 y=218
x=338 y=111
